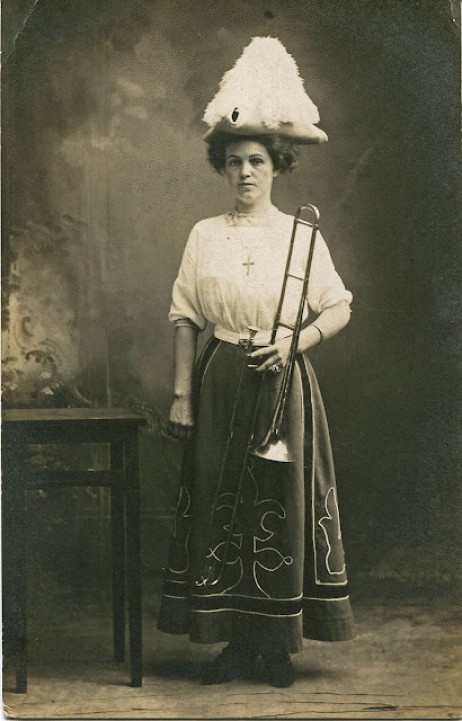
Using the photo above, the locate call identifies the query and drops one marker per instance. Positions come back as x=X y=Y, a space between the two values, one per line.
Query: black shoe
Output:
x=230 y=664
x=277 y=670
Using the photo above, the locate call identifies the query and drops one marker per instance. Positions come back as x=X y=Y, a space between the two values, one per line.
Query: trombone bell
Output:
x=275 y=449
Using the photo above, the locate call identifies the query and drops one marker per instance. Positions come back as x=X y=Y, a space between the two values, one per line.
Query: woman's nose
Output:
x=245 y=170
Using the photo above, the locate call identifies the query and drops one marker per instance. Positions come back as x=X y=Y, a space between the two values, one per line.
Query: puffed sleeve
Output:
x=325 y=287
x=186 y=308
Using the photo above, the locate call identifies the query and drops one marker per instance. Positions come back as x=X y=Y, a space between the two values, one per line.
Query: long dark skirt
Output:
x=284 y=574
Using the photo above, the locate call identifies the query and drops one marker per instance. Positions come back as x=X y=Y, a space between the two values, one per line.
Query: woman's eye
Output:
x=257 y=161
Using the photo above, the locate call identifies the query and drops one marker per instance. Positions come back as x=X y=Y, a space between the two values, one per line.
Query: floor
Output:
x=406 y=662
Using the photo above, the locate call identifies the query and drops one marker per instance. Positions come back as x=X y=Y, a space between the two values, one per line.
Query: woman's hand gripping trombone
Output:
x=272 y=358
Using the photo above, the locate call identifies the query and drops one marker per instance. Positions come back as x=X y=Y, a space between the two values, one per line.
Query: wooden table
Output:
x=117 y=427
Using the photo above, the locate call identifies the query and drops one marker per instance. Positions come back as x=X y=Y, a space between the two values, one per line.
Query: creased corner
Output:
x=19 y=31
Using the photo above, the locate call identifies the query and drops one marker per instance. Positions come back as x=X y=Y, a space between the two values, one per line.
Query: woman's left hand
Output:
x=272 y=357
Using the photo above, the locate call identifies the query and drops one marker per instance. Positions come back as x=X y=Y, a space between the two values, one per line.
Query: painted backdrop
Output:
x=105 y=173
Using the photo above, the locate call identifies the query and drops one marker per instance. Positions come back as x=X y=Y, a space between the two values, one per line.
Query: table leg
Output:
x=118 y=555
x=19 y=584
x=14 y=554
x=133 y=557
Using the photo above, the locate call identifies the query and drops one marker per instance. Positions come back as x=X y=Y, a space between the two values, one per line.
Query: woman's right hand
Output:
x=181 y=419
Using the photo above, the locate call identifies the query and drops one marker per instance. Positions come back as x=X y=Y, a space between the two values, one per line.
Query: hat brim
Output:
x=304 y=134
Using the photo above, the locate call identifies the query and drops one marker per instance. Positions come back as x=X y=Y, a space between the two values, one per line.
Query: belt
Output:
x=262 y=337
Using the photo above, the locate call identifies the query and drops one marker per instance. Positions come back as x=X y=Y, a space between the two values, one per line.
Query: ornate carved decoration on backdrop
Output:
x=40 y=347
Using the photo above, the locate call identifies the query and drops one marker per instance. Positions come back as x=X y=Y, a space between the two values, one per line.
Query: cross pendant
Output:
x=248 y=264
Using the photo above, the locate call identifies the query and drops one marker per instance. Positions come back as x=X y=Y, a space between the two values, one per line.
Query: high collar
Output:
x=264 y=218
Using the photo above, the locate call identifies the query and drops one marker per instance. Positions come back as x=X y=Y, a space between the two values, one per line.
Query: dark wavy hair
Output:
x=282 y=151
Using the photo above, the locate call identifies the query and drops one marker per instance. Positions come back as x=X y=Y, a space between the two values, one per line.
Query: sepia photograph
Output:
x=231 y=359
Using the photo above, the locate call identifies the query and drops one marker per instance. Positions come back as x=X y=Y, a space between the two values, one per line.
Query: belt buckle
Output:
x=247 y=344
x=244 y=343
x=247 y=341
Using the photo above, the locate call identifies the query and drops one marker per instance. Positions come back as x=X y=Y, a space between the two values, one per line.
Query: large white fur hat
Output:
x=263 y=94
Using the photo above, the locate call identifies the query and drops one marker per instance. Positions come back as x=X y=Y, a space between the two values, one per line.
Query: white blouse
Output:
x=232 y=271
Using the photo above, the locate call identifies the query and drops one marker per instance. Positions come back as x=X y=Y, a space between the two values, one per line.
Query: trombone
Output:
x=273 y=446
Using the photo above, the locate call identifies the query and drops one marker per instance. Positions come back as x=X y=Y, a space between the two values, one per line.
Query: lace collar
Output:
x=265 y=218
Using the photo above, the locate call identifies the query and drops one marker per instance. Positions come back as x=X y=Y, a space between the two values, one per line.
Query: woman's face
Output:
x=250 y=172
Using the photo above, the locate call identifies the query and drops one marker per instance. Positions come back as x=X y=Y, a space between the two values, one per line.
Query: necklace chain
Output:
x=250 y=247
x=260 y=221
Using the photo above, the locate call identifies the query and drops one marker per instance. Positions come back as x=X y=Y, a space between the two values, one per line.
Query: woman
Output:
x=283 y=577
